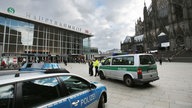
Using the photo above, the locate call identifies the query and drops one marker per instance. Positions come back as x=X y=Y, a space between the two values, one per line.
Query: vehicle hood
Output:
x=99 y=85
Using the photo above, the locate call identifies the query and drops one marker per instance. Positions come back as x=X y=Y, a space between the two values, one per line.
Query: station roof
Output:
x=13 y=16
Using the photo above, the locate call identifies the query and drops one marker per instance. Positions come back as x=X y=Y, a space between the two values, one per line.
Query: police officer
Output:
x=90 y=67
x=96 y=65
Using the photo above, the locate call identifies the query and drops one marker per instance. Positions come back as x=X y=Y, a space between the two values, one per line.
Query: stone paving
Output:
x=173 y=90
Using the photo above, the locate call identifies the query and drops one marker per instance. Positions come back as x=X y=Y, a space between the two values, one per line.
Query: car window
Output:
x=6 y=96
x=127 y=60
x=75 y=84
x=146 y=59
x=37 y=92
x=107 y=61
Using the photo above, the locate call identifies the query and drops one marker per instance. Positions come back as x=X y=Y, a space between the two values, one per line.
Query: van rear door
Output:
x=148 y=66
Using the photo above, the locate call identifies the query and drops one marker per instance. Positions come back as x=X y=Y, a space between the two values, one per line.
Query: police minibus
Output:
x=130 y=68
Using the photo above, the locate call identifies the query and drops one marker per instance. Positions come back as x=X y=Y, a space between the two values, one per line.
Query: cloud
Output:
x=110 y=21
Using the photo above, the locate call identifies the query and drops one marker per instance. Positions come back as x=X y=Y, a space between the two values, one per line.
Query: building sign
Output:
x=49 y=21
x=165 y=44
x=11 y=10
x=53 y=22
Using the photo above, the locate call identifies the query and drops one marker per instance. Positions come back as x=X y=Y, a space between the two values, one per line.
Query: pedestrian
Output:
x=65 y=62
x=96 y=65
x=169 y=59
x=160 y=61
x=23 y=62
x=90 y=67
x=3 y=64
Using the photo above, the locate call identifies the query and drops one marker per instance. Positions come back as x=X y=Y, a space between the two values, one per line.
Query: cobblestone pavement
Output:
x=173 y=90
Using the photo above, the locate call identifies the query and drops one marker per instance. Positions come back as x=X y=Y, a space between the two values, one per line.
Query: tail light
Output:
x=139 y=73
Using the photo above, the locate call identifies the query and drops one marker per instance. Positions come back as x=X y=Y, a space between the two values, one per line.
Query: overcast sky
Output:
x=109 y=20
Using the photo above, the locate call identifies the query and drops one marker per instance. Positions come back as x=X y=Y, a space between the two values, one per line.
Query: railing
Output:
x=10 y=67
x=182 y=55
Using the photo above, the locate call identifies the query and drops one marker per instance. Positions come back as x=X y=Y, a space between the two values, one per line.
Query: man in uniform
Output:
x=96 y=65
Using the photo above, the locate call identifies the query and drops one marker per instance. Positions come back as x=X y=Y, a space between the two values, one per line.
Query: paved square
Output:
x=173 y=90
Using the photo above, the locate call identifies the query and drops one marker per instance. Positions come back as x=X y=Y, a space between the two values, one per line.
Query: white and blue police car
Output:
x=50 y=90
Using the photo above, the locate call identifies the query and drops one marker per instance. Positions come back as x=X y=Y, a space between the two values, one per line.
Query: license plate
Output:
x=151 y=71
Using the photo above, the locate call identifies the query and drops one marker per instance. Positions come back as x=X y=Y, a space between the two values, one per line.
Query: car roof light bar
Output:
x=56 y=71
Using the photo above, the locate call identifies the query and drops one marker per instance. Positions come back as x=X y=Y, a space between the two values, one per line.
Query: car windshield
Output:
x=146 y=59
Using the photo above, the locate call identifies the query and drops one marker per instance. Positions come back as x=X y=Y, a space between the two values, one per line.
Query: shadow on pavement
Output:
x=135 y=86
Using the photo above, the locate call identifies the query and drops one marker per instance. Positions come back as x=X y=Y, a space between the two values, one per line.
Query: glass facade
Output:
x=28 y=37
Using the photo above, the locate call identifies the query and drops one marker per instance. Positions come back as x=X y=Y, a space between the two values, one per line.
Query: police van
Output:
x=130 y=68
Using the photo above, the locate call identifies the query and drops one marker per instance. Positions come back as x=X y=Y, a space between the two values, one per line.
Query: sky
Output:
x=110 y=21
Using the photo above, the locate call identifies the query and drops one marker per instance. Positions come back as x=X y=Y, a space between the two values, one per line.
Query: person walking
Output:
x=160 y=61
x=169 y=59
x=3 y=64
x=96 y=65
x=90 y=67
x=65 y=62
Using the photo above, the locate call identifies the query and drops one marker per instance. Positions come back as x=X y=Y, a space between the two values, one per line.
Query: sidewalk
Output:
x=173 y=90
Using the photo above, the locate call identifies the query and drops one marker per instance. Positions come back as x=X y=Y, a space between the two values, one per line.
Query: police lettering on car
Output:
x=88 y=99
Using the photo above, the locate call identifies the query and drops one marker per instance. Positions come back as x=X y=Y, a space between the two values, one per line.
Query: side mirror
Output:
x=92 y=86
x=102 y=63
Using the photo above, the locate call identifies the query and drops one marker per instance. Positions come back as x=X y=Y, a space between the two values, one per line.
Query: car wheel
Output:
x=101 y=75
x=128 y=81
x=101 y=102
x=147 y=83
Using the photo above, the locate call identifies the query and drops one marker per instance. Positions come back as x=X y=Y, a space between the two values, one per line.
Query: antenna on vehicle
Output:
x=17 y=74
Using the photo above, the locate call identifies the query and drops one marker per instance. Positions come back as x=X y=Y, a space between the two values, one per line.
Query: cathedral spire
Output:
x=144 y=3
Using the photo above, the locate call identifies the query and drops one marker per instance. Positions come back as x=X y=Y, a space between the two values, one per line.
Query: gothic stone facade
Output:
x=133 y=44
x=172 y=17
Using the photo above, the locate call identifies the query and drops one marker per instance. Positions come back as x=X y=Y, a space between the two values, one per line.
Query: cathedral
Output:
x=171 y=19
x=167 y=24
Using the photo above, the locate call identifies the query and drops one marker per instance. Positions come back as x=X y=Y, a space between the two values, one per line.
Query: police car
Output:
x=51 y=90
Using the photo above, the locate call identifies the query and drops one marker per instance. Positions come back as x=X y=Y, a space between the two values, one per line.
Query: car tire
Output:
x=147 y=83
x=128 y=81
x=101 y=102
x=101 y=75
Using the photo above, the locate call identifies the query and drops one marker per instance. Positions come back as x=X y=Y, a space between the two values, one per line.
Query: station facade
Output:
x=39 y=38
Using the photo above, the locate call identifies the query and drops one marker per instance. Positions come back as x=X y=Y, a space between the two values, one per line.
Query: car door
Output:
x=106 y=67
x=121 y=66
x=149 y=66
x=118 y=68
x=80 y=94
x=44 y=92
